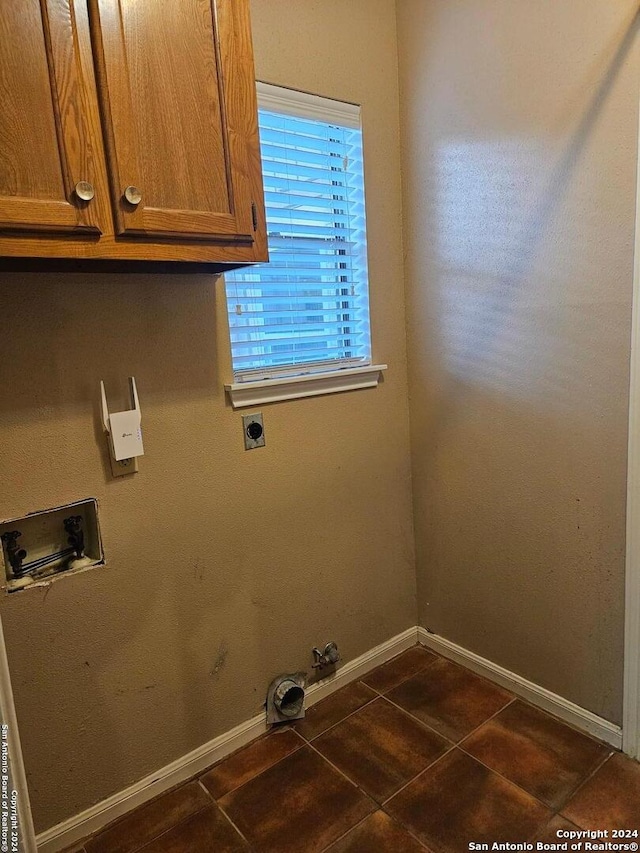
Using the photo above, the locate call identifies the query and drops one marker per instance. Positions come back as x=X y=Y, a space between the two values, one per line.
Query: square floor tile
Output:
x=376 y=834
x=542 y=755
x=458 y=801
x=301 y=798
x=336 y=707
x=146 y=823
x=205 y=832
x=450 y=698
x=248 y=762
x=381 y=748
x=610 y=799
x=398 y=669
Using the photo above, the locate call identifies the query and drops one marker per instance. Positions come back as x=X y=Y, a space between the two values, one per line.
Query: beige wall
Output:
x=519 y=125
x=224 y=567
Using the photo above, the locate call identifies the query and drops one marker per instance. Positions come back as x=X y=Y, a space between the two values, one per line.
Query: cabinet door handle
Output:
x=84 y=190
x=133 y=195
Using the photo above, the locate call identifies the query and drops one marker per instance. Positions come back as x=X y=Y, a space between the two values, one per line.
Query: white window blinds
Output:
x=307 y=309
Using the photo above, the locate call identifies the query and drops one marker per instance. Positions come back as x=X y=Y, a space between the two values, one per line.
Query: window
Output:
x=307 y=310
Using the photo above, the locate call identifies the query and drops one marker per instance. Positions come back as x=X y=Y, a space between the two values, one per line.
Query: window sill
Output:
x=311 y=385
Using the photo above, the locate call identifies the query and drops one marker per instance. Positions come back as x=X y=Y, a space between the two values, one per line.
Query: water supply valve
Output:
x=329 y=657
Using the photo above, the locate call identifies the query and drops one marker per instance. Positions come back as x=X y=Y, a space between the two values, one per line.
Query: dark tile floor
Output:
x=421 y=754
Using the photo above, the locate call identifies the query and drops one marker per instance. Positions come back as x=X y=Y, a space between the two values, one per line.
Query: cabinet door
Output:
x=47 y=155
x=178 y=108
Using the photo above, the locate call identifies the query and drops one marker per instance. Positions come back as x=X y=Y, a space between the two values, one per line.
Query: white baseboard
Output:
x=533 y=693
x=87 y=822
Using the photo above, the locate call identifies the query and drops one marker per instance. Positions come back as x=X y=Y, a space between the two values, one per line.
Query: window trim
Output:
x=261 y=391
x=297 y=103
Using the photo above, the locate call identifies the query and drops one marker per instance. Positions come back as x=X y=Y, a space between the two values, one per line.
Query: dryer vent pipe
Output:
x=285 y=698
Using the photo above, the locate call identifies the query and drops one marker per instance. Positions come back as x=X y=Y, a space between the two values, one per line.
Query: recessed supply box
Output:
x=49 y=544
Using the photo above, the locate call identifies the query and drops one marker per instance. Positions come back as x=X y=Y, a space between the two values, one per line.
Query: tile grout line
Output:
x=431 y=728
x=587 y=778
x=584 y=782
x=95 y=835
x=348 y=778
x=237 y=829
x=403 y=680
x=378 y=806
x=574 y=791
x=207 y=791
x=378 y=695
x=370 y=702
x=382 y=804
x=497 y=772
x=533 y=838
x=385 y=803
x=153 y=840
x=180 y=823
x=397 y=818
x=548 y=818
x=350 y=714
x=417 y=720
x=454 y=745
x=556 y=719
x=550 y=808
x=302 y=743
x=197 y=778
x=555 y=810
x=340 y=772
x=421 y=723
x=109 y=826
x=365 y=818
x=408 y=831
x=344 y=775
x=350 y=781
x=492 y=717
x=301 y=738
x=327 y=849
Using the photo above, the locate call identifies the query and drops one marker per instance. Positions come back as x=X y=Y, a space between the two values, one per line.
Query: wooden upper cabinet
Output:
x=48 y=158
x=149 y=106
x=171 y=82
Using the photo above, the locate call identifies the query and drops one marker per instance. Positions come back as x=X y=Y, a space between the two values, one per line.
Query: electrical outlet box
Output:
x=121 y=467
x=253 y=431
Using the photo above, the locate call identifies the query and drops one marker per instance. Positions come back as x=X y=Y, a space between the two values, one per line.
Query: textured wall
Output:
x=224 y=567
x=519 y=125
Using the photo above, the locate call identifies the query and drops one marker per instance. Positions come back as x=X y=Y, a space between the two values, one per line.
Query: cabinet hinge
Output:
x=254 y=215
